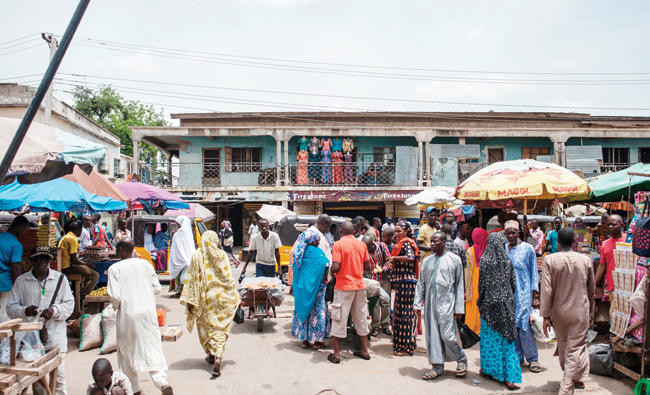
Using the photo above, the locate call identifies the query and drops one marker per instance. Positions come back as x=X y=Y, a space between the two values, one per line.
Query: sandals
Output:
x=534 y=367
x=362 y=356
x=333 y=359
x=579 y=385
x=167 y=390
x=387 y=331
x=430 y=375
x=305 y=344
x=210 y=359
x=401 y=354
x=318 y=345
x=461 y=369
x=374 y=332
x=511 y=386
x=216 y=368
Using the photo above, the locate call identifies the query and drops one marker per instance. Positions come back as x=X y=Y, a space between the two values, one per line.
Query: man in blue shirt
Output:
x=551 y=237
x=11 y=257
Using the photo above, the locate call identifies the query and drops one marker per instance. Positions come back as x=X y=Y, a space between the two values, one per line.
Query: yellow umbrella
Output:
x=522 y=179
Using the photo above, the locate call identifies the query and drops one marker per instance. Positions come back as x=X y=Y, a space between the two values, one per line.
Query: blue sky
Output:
x=443 y=37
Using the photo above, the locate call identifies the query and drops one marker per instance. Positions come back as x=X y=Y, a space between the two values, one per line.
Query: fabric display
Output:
x=325 y=161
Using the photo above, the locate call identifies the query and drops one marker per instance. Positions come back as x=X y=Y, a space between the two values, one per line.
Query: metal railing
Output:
x=607 y=167
x=344 y=174
x=227 y=174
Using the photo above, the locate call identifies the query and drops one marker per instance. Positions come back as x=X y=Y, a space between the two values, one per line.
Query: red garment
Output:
x=398 y=248
x=607 y=257
x=479 y=237
x=337 y=167
x=496 y=230
x=98 y=235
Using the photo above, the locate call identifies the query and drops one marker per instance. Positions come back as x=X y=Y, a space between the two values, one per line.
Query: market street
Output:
x=272 y=362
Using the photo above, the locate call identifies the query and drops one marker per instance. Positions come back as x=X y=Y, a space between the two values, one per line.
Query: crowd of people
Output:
x=447 y=274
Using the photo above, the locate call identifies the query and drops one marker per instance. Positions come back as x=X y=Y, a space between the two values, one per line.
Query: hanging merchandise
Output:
x=337 y=167
x=302 y=176
x=348 y=145
x=314 y=145
x=314 y=167
x=641 y=231
x=304 y=144
x=326 y=175
x=349 y=168
x=337 y=144
x=326 y=143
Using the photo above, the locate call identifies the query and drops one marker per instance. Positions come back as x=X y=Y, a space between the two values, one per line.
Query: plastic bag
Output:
x=239 y=315
x=537 y=324
x=30 y=348
x=601 y=359
x=467 y=336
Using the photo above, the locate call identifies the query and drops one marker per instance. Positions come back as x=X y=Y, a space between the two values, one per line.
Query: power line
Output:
x=20 y=43
x=363 y=73
x=105 y=42
x=384 y=99
x=19 y=39
x=20 y=49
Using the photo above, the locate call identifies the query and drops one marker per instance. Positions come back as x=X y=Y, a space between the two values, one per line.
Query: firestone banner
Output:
x=351 y=196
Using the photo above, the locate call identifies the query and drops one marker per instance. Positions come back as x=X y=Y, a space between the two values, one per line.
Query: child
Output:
x=106 y=381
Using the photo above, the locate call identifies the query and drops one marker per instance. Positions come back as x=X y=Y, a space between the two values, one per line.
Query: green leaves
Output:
x=108 y=108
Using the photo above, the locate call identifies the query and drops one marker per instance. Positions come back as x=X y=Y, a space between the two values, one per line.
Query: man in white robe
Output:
x=440 y=288
x=132 y=285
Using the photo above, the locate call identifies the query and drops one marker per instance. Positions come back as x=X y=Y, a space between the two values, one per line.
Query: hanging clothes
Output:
x=302 y=176
x=314 y=167
x=326 y=143
x=304 y=144
x=348 y=145
x=349 y=168
x=314 y=145
x=326 y=171
x=337 y=167
x=337 y=144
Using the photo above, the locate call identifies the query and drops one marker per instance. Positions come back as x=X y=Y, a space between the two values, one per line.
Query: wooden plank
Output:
x=97 y=299
x=27 y=326
x=5 y=333
x=25 y=382
x=629 y=373
x=10 y=323
x=623 y=348
x=12 y=351
x=20 y=370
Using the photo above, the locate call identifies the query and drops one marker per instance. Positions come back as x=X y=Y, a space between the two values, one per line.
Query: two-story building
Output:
x=234 y=162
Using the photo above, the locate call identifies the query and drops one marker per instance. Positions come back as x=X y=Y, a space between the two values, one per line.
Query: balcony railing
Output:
x=607 y=167
x=226 y=174
x=344 y=174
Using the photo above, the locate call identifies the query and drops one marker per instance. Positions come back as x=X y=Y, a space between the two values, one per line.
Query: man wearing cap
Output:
x=43 y=293
x=524 y=262
x=426 y=231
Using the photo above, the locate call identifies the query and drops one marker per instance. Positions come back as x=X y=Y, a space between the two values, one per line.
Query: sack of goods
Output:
x=274 y=286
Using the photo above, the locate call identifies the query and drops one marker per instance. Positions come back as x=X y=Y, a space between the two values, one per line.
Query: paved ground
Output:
x=273 y=362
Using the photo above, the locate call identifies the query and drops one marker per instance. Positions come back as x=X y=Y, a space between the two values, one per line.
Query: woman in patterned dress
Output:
x=311 y=323
x=496 y=304
x=404 y=269
x=210 y=298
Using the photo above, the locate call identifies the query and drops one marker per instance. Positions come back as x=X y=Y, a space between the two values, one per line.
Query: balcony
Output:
x=611 y=167
x=233 y=174
x=323 y=174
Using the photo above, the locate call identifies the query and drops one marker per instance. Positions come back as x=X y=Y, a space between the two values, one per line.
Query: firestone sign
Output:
x=351 y=196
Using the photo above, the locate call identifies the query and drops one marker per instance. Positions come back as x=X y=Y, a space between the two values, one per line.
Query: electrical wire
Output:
x=20 y=49
x=384 y=99
x=368 y=74
x=105 y=42
x=19 y=39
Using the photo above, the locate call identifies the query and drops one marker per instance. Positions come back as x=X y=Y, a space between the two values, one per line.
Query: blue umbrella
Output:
x=55 y=195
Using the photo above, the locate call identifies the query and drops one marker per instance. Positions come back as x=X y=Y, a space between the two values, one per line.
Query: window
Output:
x=495 y=155
x=385 y=155
x=211 y=166
x=117 y=168
x=644 y=154
x=243 y=160
x=534 y=152
x=615 y=159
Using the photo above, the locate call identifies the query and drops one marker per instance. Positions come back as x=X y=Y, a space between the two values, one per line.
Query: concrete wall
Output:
x=511 y=146
x=632 y=144
x=191 y=159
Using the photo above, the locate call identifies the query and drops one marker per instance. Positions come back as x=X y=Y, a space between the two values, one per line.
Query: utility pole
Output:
x=42 y=88
x=53 y=44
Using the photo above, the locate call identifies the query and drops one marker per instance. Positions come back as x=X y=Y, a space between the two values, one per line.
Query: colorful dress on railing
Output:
x=349 y=168
x=337 y=144
x=314 y=166
x=302 y=176
x=337 y=167
x=304 y=144
x=326 y=175
x=326 y=143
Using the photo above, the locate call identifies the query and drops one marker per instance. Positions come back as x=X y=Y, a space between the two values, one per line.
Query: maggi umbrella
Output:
x=523 y=179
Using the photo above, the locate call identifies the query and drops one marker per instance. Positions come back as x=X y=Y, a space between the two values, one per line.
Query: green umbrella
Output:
x=612 y=187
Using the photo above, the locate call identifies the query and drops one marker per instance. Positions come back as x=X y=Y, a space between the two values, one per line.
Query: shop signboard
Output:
x=350 y=196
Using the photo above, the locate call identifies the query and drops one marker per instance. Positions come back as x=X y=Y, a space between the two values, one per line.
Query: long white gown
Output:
x=132 y=285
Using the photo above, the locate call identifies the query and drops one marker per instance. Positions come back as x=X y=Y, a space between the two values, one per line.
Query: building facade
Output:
x=14 y=100
x=234 y=162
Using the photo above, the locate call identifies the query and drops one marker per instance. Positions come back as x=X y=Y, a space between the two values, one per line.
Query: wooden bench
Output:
x=75 y=279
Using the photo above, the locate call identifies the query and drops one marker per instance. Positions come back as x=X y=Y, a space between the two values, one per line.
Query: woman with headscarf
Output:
x=474 y=254
x=496 y=304
x=226 y=236
x=210 y=298
x=404 y=276
x=180 y=253
x=311 y=322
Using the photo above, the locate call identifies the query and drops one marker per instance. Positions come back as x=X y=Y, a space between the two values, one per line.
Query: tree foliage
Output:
x=115 y=113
